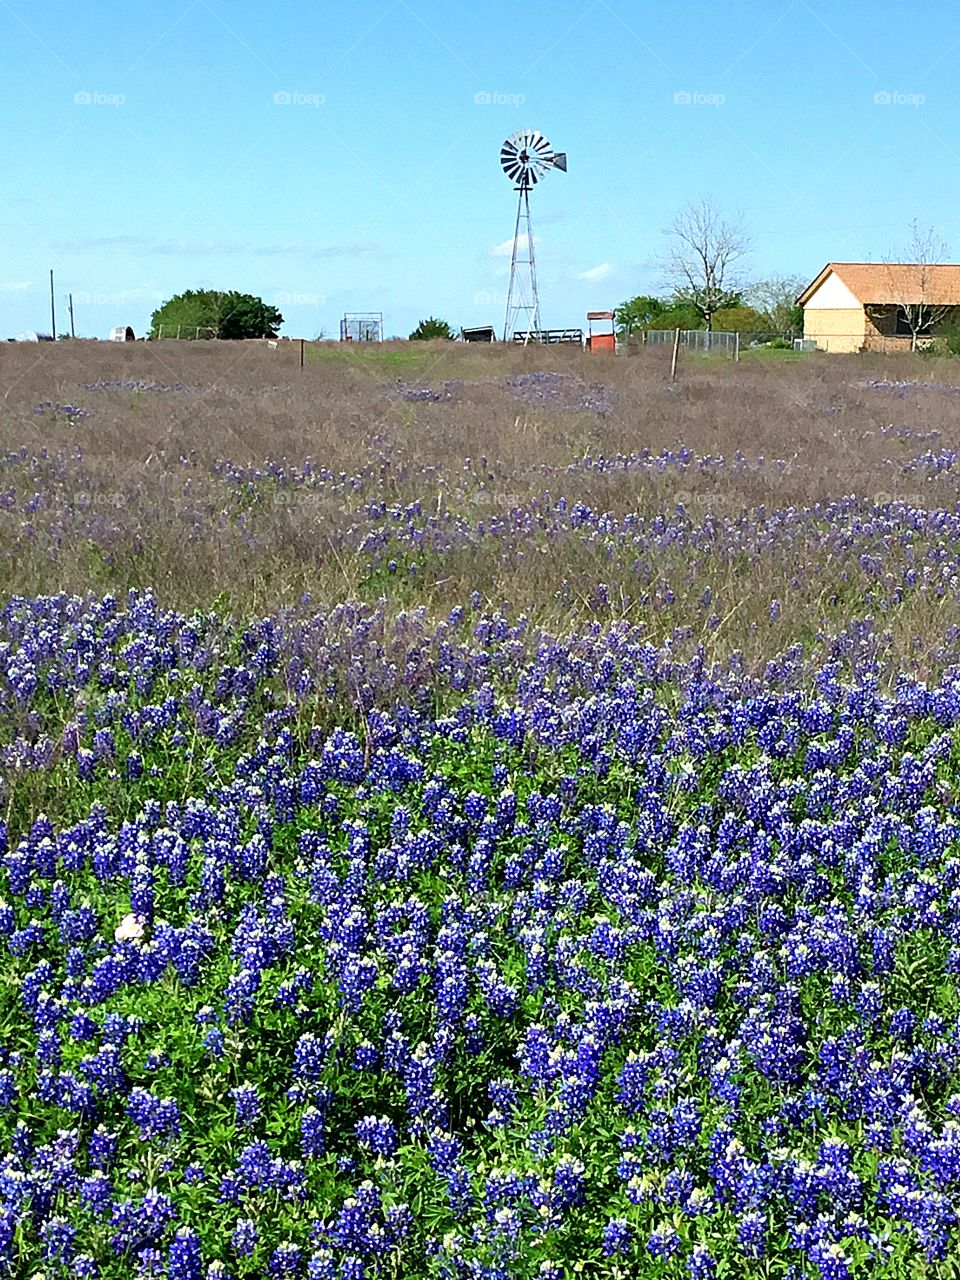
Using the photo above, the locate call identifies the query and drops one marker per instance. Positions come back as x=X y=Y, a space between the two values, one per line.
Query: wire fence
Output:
x=703 y=340
x=733 y=344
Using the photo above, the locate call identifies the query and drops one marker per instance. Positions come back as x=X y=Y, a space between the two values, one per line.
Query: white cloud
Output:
x=505 y=248
x=593 y=274
x=16 y=286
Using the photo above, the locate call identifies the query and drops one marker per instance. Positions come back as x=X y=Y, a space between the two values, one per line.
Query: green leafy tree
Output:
x=679 y=315
x=431 y=328
x=739 y=319
x=639 y=313
x=209 y=313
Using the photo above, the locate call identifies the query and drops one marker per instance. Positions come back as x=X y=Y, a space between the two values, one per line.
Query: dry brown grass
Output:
x=119 y=507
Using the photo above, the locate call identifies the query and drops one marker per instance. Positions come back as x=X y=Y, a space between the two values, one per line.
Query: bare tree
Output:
x=702 y=263
x=914 y=290
x=776 y=299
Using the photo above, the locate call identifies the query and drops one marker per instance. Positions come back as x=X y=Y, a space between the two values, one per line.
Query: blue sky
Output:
x=343 y=157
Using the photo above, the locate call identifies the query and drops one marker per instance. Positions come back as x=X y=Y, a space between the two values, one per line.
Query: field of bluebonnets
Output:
x=477 y=814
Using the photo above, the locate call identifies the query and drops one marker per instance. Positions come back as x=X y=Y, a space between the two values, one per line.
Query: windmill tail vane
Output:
x=525 y=158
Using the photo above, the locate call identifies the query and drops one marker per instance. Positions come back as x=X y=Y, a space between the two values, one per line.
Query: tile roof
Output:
x=878 y=283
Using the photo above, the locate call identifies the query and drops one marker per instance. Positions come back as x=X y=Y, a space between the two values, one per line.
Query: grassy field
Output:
x=478 y=814
x=183 y=471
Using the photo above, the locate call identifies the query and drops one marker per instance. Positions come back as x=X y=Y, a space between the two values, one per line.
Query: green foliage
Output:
x=639 y=313
x=767 y=307
x=706 y=304
x=739 y=319
x=645 y=312
x=431 y=328
x=947 y=341
x=208 y=313
x=680 y=316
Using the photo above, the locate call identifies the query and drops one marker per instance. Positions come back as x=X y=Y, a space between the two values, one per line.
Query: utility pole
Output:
x=73 y=332
x=53 y=310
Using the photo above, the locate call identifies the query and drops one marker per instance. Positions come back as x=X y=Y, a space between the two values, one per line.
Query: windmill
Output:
x=525 y=158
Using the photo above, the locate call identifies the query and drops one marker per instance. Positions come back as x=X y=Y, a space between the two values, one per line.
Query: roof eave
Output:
x=814 y=285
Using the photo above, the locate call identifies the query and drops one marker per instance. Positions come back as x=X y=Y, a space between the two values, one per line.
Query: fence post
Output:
x=736 y=348
x=301 y=353
x=676 y=352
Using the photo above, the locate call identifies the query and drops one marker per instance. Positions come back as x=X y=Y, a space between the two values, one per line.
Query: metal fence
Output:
x=696 y=339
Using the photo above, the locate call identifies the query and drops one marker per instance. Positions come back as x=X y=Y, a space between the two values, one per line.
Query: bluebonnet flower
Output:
x=379 y=1134
x=246 y=1101
x=285 y=1260
x=701 y=1263
x=58 y=1240
x=155 y=1117
x=831 y=1262
x=244 y=1238
x=617 y=1235
x=139 y=1222
x=752 y=1234
x=365 y=1057
x=312 y=1126
x=183 y=1256
x=663 y=1242
x=322 y=1266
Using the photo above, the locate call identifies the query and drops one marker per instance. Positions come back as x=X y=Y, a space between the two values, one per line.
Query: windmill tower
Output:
x=525 y=157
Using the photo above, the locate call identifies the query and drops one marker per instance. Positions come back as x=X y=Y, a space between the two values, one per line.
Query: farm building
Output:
x=879 y=306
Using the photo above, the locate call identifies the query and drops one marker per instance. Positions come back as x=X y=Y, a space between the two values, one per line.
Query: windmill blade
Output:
x=526 y=156
x=538 y=143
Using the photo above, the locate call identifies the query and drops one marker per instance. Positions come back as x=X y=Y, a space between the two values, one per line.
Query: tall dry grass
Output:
x=169 y=489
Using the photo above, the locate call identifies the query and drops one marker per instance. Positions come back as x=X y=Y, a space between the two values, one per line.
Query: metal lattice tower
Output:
x=525 y=157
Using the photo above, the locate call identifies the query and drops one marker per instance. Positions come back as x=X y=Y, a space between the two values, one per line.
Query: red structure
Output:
x=606 y=339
